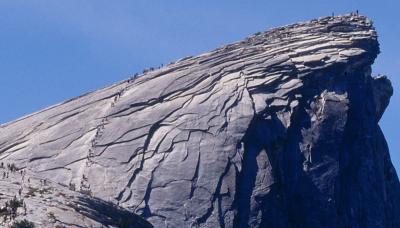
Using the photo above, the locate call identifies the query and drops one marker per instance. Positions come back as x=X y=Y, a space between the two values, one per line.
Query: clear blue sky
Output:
x=54 y=50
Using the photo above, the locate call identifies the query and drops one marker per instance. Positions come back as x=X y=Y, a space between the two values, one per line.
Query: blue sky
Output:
x=51 y=51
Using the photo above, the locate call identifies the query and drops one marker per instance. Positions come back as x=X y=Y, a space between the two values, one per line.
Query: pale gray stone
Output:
x=278 y=130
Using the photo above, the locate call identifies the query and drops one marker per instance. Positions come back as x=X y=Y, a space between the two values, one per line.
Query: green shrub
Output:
x=14 y=204
x=22 y=224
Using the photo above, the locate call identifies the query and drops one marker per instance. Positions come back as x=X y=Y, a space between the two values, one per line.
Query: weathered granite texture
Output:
x=278 y=130
x=24 y=195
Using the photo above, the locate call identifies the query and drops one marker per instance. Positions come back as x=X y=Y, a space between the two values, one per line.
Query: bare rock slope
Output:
x=278 y=130
x=26 y=196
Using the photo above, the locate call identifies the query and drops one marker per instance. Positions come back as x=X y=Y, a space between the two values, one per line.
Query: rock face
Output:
x=278 y=130
x=49 y=204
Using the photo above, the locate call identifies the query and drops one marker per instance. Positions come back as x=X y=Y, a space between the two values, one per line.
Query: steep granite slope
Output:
x=24 y=195
x=278 y=130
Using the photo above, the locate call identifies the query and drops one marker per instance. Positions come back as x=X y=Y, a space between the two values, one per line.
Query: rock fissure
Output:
x=278 y=130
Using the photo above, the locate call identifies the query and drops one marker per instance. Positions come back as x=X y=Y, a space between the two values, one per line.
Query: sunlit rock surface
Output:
x=278 y=130
x=25 y=195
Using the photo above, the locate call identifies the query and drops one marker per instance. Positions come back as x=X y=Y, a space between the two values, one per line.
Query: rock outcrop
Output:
x=278 y=130
x=26 y=196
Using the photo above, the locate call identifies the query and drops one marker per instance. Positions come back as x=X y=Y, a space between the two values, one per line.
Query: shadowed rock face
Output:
x=278 y=130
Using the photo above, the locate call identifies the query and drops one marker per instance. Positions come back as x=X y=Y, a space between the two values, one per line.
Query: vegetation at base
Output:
x=14 y=204
x=22 y=224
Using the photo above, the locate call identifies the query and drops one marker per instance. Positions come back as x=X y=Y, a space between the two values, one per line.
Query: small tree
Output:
x=22 y=224
x=14 y=204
